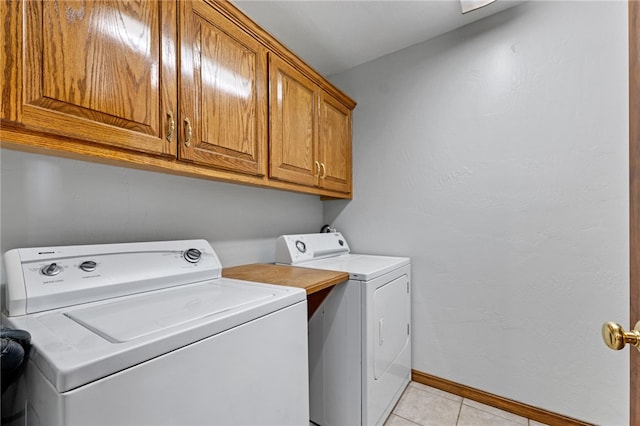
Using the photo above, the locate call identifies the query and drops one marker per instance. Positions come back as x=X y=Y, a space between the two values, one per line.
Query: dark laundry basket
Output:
x=14 y=353
x=15 y=345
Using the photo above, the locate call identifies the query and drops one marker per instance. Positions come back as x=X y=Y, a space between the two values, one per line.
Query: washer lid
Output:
x=125 y=320
x=77 y=345
x=362 y=267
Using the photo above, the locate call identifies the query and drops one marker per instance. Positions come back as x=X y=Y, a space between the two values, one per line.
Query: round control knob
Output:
x=301 y=246
x=192 y=255
x=88 y=266
x=51 y=269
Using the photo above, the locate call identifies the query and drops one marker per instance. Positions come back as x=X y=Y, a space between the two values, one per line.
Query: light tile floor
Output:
x=426 y=406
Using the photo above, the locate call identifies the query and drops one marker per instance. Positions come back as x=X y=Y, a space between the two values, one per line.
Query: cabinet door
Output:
x=100 y=71
x=294 y=111
x=335 y=144
x=223 y=92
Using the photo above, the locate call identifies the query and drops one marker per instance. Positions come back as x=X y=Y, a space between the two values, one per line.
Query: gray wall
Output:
x=55 y=201
x=496 y=157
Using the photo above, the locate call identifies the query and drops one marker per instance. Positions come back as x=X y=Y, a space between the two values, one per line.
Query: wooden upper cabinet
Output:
x=190 y=87
x=100 y=71
x=334 y=144
x=294 y=121
x=223 y=92
x=310 y=131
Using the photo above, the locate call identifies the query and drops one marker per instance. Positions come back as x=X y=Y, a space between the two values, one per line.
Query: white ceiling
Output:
x=333 y=36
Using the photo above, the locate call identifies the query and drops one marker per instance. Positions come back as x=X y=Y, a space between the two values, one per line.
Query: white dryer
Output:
x=360 y=341
x=150 y=334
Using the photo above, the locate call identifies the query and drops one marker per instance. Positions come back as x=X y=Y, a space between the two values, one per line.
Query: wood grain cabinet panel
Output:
x=310 y=141
x=294 y=121
x=100 y=71
x=190 y=87
x=335 y=144
x=223 y=92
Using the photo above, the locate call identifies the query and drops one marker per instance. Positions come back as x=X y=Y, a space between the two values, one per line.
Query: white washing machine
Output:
x=150 y=334
x=360 y=341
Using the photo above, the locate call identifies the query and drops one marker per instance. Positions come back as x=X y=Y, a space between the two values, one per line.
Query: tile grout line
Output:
x=498 y=412
x=404 y=418
x=459 y=412
x=441 y=394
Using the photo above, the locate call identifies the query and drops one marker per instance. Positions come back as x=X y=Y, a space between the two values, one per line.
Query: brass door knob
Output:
x=616 y=337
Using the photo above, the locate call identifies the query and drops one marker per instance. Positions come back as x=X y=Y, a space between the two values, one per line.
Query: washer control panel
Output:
x=293 y=249
x=40 y=279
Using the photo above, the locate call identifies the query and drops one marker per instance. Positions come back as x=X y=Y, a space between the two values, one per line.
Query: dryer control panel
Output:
x=294 y=249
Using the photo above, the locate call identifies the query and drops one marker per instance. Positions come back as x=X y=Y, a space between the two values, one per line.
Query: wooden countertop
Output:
x=317 y=282
x=312 y=280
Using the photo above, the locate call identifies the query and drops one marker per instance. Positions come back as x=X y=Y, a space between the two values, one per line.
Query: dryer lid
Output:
x=361 y=267
x=330 y=251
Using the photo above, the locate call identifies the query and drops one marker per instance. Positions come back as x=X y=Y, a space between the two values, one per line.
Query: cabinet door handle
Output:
x=172 y=126
x=317 y=173
x=324 y=171
x=187 y=140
